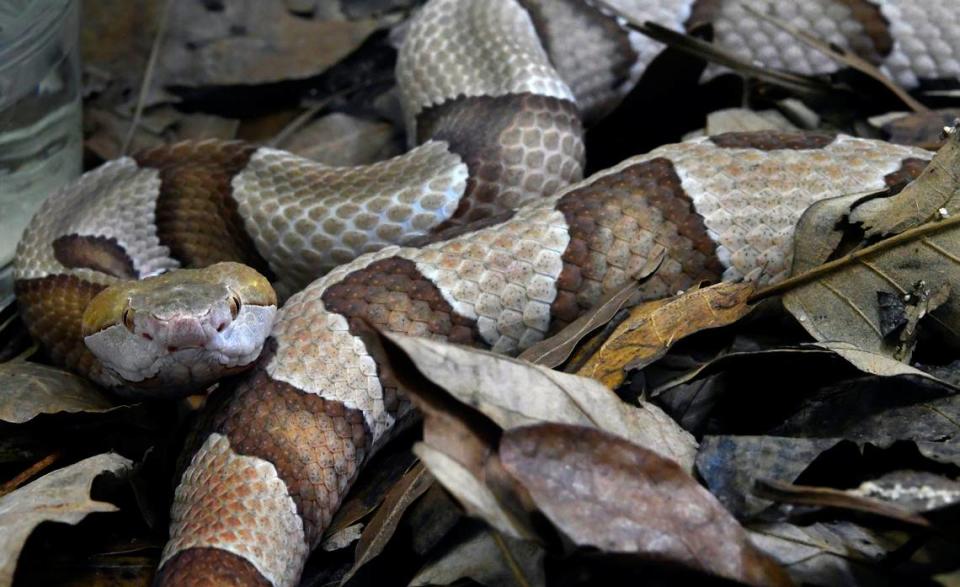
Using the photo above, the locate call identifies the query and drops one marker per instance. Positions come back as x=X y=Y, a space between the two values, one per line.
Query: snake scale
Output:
x=512 y=245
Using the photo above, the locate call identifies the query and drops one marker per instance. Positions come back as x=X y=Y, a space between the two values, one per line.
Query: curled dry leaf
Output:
x=339 y=139
x=919 y=202
x=745 y=120
x=29 y=389
x=835 y=553
x=471 y=490
x=920 y=129
x=556 y=349
x=604 y=492
x=489 y=559
x=60 y=496
x=381 y=527
x=652 y=328
x=729 y=465
x=515 y=393
x=837 y=301
x=835 y=498
x=875 y=363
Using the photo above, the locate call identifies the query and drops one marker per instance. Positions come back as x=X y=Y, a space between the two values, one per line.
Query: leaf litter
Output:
x=804 y=433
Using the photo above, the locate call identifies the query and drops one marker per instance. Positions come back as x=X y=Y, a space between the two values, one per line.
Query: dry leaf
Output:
x=472 y=493
x=553 y=351
x=488 y=559
x=514 y=393
x=837 y=301
x=60 y=496
x=835 y=553
x=250 y=43
x=729 y=465
x=875 y=363
x=654 y=327
x=605 y=492
x=834 y=498
x=342 y=140
x=746 y=120
x=29 y=389
x=922 y=201
x=919 y=129
x=381 y=527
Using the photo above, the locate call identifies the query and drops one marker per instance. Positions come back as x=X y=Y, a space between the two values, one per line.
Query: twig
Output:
x=308 y=114
x=840 y=55
x=854 y=257
x=30 y=472
x=147 y=75
x=711 y=52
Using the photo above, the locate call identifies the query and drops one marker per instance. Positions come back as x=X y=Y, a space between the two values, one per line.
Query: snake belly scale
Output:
x=507 y=254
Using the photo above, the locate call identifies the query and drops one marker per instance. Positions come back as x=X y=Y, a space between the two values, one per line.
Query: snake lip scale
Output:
x=483 y=234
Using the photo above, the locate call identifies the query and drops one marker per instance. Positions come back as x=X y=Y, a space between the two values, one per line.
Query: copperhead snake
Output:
x=494 y=92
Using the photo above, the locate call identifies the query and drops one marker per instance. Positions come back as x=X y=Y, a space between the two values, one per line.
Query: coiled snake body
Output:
x=500 y=135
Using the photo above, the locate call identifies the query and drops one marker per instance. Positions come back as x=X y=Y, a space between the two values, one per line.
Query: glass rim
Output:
x=33 y=37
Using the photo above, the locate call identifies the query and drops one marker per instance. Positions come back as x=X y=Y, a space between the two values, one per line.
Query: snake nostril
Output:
x=222 y=326
x=147 y=336
x=172 y=349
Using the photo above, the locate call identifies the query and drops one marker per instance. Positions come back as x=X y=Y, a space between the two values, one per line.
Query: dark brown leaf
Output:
x=605 y=492
x=378 y=532
x=730 y=464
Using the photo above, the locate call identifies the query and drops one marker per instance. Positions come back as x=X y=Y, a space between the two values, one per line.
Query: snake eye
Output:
x=234 y=305
x=127 y=318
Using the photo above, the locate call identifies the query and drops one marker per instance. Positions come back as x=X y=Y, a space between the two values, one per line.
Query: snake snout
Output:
x=181 y=332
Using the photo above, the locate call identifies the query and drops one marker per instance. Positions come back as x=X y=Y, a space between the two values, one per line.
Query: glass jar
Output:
x=40 y=121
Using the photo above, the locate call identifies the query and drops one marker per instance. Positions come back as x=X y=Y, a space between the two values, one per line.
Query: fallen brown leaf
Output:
x=489 y=559
x=556 y=349
x=604 y=492
x=29 y=389
x=381 y=527
x=652 y=328
x=535 y=394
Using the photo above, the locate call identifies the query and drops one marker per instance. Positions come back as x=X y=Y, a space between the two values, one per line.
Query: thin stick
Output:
x=712 y=53
x=831 y=266
x=147 y=76
x=29 y=473
x=842 y=56
x=304 y=117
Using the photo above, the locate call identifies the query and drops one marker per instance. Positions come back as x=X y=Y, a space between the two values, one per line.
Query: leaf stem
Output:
x=819 y=271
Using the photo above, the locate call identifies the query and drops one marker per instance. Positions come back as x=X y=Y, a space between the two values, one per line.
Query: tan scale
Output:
x=751 y=199
x=238 y=504
x=306 y=218
x=504 y=56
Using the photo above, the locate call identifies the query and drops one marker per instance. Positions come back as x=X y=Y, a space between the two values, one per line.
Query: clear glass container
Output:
x=40 y=120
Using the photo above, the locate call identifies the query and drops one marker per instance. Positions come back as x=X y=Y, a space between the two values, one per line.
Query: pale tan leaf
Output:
x=933 y=195
x=60 y=496
x=489 y=559
x=29 y=389
x=515 y=393
x=875 y=363
x=342 y=140
x=838 y=300
x=745 y=120
x=472 y=493
x=381 y=527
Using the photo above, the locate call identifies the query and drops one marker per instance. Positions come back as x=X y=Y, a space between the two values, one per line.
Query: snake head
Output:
x=176 y=333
